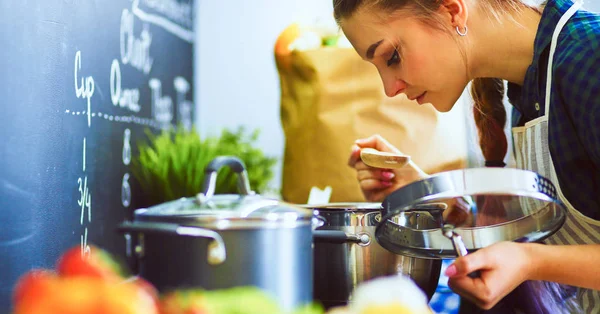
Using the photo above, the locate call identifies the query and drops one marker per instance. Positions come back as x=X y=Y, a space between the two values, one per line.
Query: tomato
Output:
x=97 y=264
x=33 y=284
x=91 y=284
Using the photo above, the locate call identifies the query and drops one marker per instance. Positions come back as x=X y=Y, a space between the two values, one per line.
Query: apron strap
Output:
x=559 y=26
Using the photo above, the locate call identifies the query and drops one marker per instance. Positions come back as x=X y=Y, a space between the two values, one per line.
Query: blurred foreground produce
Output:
x=387 y=295
x=239 y=300
x=90 y=284
x=95 y=283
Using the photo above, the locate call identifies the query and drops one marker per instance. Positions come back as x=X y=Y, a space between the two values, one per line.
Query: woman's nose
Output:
x=393 y=86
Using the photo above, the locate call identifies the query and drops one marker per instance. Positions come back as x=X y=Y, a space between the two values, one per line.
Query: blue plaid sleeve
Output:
x=578 y=74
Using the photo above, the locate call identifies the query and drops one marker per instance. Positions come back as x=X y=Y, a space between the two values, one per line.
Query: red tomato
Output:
x=88 y=285
x=98 y=264
x=34 y=285
x=83 y=295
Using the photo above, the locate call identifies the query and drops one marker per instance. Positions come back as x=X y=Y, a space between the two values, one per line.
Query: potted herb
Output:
x=170 y=165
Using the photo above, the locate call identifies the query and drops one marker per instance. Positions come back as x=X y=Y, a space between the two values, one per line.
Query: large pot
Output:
x=340 y=267
x=222 y=241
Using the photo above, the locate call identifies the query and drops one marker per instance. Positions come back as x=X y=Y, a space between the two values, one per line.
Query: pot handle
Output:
x=317 y=221
x=216 y=249
x=210 y=176
x=338 y=236
x=459 y=245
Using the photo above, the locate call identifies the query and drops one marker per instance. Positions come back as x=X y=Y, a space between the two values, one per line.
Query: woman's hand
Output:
x=503 y=267
x=377 y=183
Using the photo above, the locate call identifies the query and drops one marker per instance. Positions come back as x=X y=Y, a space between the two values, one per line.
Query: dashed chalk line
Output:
x=123 y=118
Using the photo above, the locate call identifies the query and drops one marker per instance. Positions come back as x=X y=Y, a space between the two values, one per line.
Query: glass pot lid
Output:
x=479 y=206
x=224 y=211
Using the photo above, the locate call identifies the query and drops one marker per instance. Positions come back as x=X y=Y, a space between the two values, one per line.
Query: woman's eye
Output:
x=395 y=59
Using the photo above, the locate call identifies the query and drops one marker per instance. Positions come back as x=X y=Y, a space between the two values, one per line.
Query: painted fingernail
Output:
x=388 y=174
x=451 y=270
x=386 y=183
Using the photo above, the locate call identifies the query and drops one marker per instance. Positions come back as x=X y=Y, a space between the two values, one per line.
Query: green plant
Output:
x=171 y=164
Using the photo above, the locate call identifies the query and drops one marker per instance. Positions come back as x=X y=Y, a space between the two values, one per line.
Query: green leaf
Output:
x=171 y=164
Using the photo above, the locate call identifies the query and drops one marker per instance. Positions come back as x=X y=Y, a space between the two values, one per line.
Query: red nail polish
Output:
x=451 y=270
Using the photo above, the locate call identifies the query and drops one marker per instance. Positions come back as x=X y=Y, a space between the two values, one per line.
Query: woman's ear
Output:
x=456 y=11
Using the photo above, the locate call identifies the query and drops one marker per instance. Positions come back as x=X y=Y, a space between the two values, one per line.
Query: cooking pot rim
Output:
x=464 y=183
x=223 y=223
x=345 y=206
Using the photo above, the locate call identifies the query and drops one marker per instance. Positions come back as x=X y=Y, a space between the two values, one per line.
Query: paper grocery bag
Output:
x=329 y=98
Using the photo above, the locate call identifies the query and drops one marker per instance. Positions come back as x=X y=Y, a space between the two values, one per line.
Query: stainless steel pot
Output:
x=497 y=204
x=340 y=267
x=222 y=241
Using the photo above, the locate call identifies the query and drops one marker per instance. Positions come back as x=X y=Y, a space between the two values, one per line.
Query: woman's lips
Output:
x=416 y=97
x=420 y=98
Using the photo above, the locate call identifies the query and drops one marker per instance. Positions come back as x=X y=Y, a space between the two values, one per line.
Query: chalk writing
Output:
x=86 y=89
x=162 y=106
x=85 y=203
x=184 y=106
x=124 y=98
x=125 y=191
x=135 y=51
x=177 y=11
x=125 y=187
x=136 y=30
x=183 y=32
x=126 y=147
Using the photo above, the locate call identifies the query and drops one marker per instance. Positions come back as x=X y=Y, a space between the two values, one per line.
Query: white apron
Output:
x=532 y=153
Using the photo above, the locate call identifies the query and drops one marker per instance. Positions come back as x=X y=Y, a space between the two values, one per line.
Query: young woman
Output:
x=550 y=56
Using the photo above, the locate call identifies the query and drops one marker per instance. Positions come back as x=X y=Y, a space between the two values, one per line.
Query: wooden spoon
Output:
x=374 y=158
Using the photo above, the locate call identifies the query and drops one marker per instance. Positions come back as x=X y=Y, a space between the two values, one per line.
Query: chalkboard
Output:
x=81 y=82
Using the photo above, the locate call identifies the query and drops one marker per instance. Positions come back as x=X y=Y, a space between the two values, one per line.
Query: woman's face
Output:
x=427 y=65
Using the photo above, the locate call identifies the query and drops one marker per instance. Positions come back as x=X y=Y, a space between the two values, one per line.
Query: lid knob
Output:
x=210 y=180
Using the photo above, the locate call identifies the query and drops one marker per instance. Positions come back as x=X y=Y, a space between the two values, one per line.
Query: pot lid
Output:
x=223 y=211
x=480 y=205
x=350 y=206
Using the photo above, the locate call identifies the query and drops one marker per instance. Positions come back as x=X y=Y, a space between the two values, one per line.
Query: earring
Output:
x=462 y=33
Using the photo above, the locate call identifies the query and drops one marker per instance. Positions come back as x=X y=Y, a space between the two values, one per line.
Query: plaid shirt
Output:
x=574 y=130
